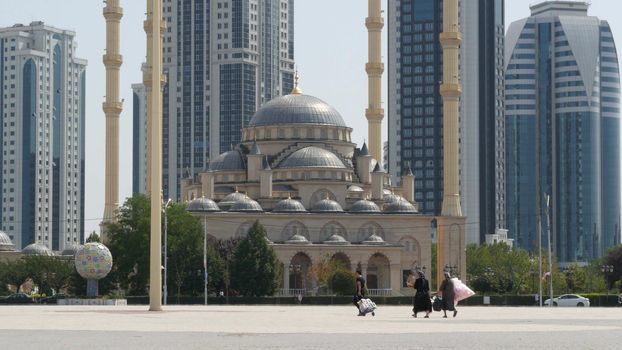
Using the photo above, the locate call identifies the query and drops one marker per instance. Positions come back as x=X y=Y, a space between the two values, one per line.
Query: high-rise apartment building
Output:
x=42 y=104
x=563 y=131
x=416 y=110
x=222 y=60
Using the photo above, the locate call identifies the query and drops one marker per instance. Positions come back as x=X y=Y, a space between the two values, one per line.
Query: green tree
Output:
x=93 y=237
x=255 y=268
x=128 y=241
x=342 y=282
x=51 y=274
x=13 y=273
x=614 y=258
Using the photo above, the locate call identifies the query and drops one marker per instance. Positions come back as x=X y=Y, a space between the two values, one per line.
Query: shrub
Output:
x=343 y=282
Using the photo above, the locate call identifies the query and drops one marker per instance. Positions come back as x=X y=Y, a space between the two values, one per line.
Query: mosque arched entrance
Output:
x=378 y=272
x=298 y=270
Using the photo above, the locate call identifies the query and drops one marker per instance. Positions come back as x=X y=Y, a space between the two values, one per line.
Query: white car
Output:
x=569 y=300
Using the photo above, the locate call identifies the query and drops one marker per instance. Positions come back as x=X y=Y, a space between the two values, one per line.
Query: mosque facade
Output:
x=319 y=197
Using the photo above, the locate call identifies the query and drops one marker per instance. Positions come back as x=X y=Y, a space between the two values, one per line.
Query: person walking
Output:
x=422 y=296
x=360 y=291
x=447 y=291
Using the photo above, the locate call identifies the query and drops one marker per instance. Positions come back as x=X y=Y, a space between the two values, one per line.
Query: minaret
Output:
x=112 y=108
x=449 y=235
x=375 y=68
x=451 y=90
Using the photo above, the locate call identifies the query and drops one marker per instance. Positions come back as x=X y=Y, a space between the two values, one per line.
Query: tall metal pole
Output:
x=155 y=256
x=112 y=108
x=165 y=282
x=205 y=258
x=548 y=229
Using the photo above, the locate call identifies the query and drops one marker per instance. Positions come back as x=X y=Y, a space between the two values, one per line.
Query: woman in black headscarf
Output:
x=447 y=291
x=422 y=296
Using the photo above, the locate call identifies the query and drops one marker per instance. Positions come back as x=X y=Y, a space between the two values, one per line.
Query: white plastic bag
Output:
x=461 y=291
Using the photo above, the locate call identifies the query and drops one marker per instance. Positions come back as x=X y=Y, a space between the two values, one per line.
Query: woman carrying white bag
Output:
x=452 y=291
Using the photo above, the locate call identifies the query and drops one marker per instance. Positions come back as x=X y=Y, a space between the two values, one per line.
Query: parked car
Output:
x=17 y=298
x=569 y=300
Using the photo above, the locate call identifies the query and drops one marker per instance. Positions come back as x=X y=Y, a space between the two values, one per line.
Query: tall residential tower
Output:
x=222 y=60
x=416 y=107
x=42 y=105
x=563 y=130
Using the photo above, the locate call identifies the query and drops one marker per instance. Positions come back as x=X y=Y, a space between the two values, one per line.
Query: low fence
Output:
x=476 y=300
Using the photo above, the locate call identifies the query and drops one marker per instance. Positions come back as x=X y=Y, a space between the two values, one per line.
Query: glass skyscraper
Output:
x=222 y=59
x=563 y=131
x=416 y=114
x=42 y=105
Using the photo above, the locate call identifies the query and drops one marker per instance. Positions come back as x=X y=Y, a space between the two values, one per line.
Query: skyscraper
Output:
x=222 y=60
x=416 y=109
x=563 y=130
x=42 y=104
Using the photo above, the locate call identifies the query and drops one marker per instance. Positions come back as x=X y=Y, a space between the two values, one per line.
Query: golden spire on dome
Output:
x=296 y=90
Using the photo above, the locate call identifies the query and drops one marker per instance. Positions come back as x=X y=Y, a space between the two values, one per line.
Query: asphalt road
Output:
x=306 y=327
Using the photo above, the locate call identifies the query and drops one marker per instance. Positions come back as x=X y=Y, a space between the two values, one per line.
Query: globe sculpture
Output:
x=93 y=262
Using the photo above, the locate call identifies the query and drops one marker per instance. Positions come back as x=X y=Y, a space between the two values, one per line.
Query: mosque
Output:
x=298 y=173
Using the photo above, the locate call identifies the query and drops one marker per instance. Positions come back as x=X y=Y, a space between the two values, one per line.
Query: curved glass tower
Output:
x=563 y=130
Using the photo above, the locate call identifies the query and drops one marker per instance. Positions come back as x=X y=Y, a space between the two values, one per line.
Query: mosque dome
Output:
x=71 y=250
x=327 y=206
x=297 y=239
x=401 y=206
x=203 y=205
x=336 y=239
x=355 y=188
x=246 y=205
x=364 y=207
x=289 y=206
x=231 y=198
x=228 y=161
x=374 y=240
x=296 y=109
x=312 y=157
x=6 y=245
x=391 y=198
x=37 y=249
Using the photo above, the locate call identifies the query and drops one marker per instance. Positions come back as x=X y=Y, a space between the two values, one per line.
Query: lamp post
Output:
x=165 y=251
x=606 y=269
x=550 y=242
x=205 y=258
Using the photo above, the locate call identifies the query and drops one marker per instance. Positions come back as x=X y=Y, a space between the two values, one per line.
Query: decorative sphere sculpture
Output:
x=93 y=261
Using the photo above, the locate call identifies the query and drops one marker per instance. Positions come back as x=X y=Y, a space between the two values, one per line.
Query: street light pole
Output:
x=165 y=284
x=205 y=258
x=548 y=229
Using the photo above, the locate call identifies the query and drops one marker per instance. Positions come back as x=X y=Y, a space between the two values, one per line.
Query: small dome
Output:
x=6 y=245
x=336 y=239
x=297 y=239
x=246 y=205
x=71 y=250
x=289 y=206
x=228 y=161
x=374 y=240
x=231 y=198
x=401 y=206
x=391 y=198
x=327 y=206
x=296 y=109
x=364 y=207
x=203 y=204
x=312 y=157
x=37 y=249
x=385 y=192
x=355 y=188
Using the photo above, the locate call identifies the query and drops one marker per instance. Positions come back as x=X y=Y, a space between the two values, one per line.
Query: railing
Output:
x=291 y=292
x=381 y=292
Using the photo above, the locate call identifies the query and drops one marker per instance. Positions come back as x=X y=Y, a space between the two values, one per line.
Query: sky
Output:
x=330 y=51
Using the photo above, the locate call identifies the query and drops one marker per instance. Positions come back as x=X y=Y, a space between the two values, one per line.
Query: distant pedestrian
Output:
x=422 y=296
x=446 y=290
x=360 y=291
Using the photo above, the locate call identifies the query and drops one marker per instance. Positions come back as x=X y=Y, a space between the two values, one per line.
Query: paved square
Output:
x=306 y=327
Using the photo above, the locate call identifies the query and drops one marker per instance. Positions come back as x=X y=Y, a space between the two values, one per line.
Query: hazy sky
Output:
x=330 y=51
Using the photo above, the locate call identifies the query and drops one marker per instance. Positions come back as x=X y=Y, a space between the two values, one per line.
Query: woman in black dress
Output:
x=422 y=296
x=447 y=291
